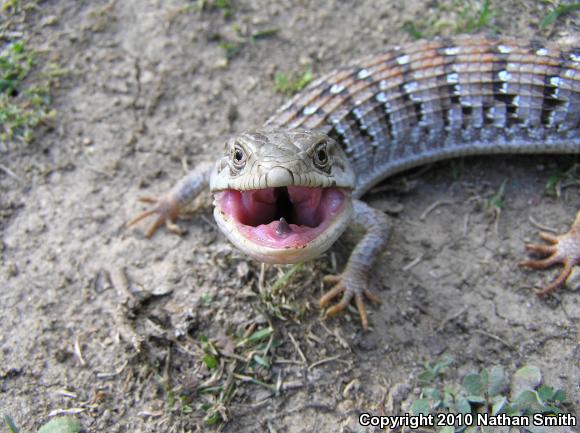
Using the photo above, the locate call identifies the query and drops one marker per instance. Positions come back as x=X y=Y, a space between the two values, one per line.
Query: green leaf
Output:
x=476 y=399
x=552 y=409
x=432 y=394
x=526 y=378
x=212 y=419
x=448 y=399
x=497 y=381
x=559 y=395
x=10 y=424
x=260 y=334
x=443 y=362
x=426 y=376
x=498 y=405
x=472 y=384
x=545 y=393
x=266 y=33
x=262 y=361
x=210 y=361
x=62 y=424
x=462 y=405
x=528 y=401
x=511 y=409
x=420 y=406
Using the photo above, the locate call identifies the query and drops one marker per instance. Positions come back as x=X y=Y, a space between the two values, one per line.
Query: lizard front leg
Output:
x=170 y=205
x=353 y=282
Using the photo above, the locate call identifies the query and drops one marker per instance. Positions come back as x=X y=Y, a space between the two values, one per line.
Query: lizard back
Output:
x=430 y=100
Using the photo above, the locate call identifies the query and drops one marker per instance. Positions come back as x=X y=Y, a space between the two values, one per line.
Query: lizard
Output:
x=285 y=192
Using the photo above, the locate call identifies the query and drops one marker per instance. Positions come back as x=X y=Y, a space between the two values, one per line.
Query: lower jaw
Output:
x=328 y=234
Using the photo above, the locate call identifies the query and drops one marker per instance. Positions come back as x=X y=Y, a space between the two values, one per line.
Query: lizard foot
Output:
x=350 y=288
x=167 y=209
x=563 y=249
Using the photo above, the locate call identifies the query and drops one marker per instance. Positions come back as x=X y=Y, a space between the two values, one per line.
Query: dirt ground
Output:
x=149 y=91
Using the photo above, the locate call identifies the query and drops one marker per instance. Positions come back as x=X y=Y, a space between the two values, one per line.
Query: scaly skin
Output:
x=412 y=105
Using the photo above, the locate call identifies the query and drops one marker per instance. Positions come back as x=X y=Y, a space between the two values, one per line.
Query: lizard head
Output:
x=282 y=196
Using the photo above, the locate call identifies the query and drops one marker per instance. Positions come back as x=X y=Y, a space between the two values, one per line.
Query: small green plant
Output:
x=496 y=202
x=560 y=11
x=231 y=49
x=461 y=17
x=484 y=394
x=433 y=370
x=455 y=16
x=224 y=366
x=10 y=5
x=22 y=107
x=562 y=178
x=10 y=424
x=15 y=63
x=412 y=30
x=288 y=83
x=473 y=20
x=264 y=33
x=222 y=5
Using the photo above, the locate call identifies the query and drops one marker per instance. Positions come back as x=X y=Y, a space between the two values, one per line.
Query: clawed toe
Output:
x=542 y=249
x=548 y=237
x=148 y=199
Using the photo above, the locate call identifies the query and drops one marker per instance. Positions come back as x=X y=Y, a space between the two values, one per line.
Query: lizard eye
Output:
x=321 y=156
x=238 y=157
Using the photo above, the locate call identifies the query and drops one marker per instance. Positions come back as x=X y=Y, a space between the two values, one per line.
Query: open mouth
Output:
x=283 y=217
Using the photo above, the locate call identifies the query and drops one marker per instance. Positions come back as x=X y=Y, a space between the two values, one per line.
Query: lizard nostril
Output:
x=279 y=176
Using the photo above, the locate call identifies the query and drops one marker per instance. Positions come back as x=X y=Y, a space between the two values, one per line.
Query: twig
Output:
x=71 y=411
x=78 y=352
x=450 y=318
x=433 y=207
x=336 y=335
x=323 y=361
x=495 y=337
x=466 y=223
x=297 y=347
x=413 y=263
x=65 y=393
x=261 y=278
x=110 y=375
x=540 y=226
x=11 y=173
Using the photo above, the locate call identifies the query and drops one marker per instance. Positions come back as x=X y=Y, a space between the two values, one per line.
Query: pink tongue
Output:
x=305 y=201
x=271 y=234
x=251 y=207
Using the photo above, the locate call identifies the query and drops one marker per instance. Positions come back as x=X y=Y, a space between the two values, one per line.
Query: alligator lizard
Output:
x=284 y=194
